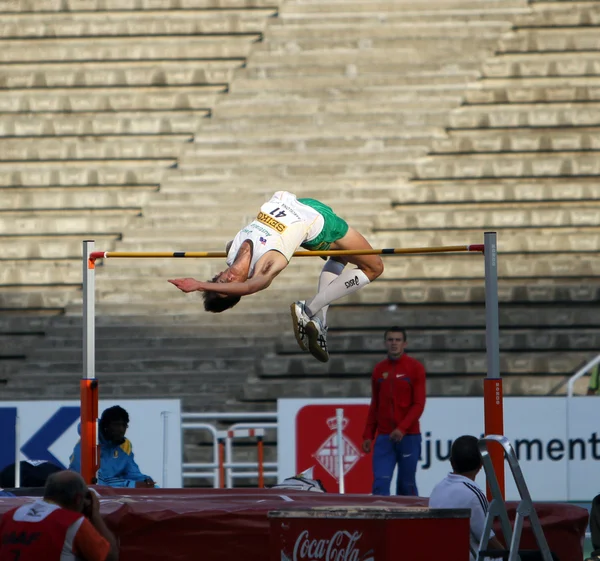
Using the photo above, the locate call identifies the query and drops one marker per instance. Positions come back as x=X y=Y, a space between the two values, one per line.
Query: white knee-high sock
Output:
x=347 y=283
x=331 y=271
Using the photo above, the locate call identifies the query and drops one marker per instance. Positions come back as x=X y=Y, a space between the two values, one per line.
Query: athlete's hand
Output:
x=396 y=435
x=366 y=445
x=187 y=284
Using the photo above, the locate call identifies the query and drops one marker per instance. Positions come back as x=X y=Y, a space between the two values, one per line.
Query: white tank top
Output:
x=282 y=225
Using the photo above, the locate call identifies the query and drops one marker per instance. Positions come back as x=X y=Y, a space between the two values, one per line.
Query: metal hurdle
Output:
x=226 y=455
x=493 y=399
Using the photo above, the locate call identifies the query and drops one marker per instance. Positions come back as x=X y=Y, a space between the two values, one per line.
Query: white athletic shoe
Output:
x=317 y=339
x=300 y=319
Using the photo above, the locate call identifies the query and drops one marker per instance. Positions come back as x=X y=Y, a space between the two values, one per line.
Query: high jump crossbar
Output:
x=329 y=253
x=493 y=400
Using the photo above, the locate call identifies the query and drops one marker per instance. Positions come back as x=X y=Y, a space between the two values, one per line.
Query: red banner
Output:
x=316 y=446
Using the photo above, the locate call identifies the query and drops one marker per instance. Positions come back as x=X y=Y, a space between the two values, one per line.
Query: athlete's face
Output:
x=395 y=343
x=226 y=276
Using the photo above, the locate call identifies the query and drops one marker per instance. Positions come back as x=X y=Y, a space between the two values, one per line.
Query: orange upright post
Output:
x=221 y=464
x=261 y=463
x=90 y=461
x=494 y=424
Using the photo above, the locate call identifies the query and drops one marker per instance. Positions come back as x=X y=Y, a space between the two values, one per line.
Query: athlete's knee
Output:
x=374 y=268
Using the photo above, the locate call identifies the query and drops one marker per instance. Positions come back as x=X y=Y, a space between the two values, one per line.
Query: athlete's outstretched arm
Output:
x=255 y=284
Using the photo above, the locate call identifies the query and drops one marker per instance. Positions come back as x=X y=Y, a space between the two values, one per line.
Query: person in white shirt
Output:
x=459 y=490
x=263 y=248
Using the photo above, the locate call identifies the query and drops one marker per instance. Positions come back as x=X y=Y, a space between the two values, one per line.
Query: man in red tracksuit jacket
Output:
x=397 y=403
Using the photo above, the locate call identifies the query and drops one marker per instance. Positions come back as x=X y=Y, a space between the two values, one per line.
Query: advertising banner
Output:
x=48 y=430
x=556 y=440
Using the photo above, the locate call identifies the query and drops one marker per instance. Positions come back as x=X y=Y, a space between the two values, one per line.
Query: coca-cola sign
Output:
x=342 y=546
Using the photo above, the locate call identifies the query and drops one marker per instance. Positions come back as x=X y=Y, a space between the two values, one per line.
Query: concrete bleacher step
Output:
x=356 y=68
x=343 y=169
x=448 y=340
x=542 y=64
x=81 y=222
x=107 y=123
x=544 y=240
x=400 y=292
x=493 y=215
x=155 y=342
x=315 y=143
x=458 y=385
x=40 y=271
x=104 y=99
x=521 y=164
x=561 y=14
x=200 y=365
x=211 y=200
x=348 y=190
x=32 y=297
x=366 y=95
x=524 y=140
x=526 y=115
x=18 y=344
x=120 y=23
x=450 y=16
x=436 y=364
x=74 y=197
x=16 y=149
x=25 y=323
x=232 y=110
x=322 y=30
x=35 y=246
x=82 y=172
x=259 y=132
x=17 y=6
x=402 y=6
x=489 y=190
x=401 y=156
x=413 y=79
x=115 y=73
x=543 y=315
x=107 y=48
x=533 y=90
x=371 y=118
x=263 y=55
x=551 y=39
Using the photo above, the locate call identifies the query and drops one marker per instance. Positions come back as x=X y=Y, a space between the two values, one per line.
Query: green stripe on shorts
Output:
x=334 y=229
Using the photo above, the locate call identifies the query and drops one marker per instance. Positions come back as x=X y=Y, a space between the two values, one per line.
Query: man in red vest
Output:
x=397 y=402
x=64 y=525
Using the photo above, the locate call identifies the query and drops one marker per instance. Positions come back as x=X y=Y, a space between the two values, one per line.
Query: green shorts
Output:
x=334 y=228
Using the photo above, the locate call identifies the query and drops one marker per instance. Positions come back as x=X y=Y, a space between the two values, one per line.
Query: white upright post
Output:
x=89 y=285
x=340 y=449
x=17 y=451
x=89 y=384
x=165 y=466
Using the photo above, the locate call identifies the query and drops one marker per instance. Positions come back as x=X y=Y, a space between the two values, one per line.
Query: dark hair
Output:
x=112 y=414
x=395 y=329
x=215 y=303
x=465 y=455
x=64 y=490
